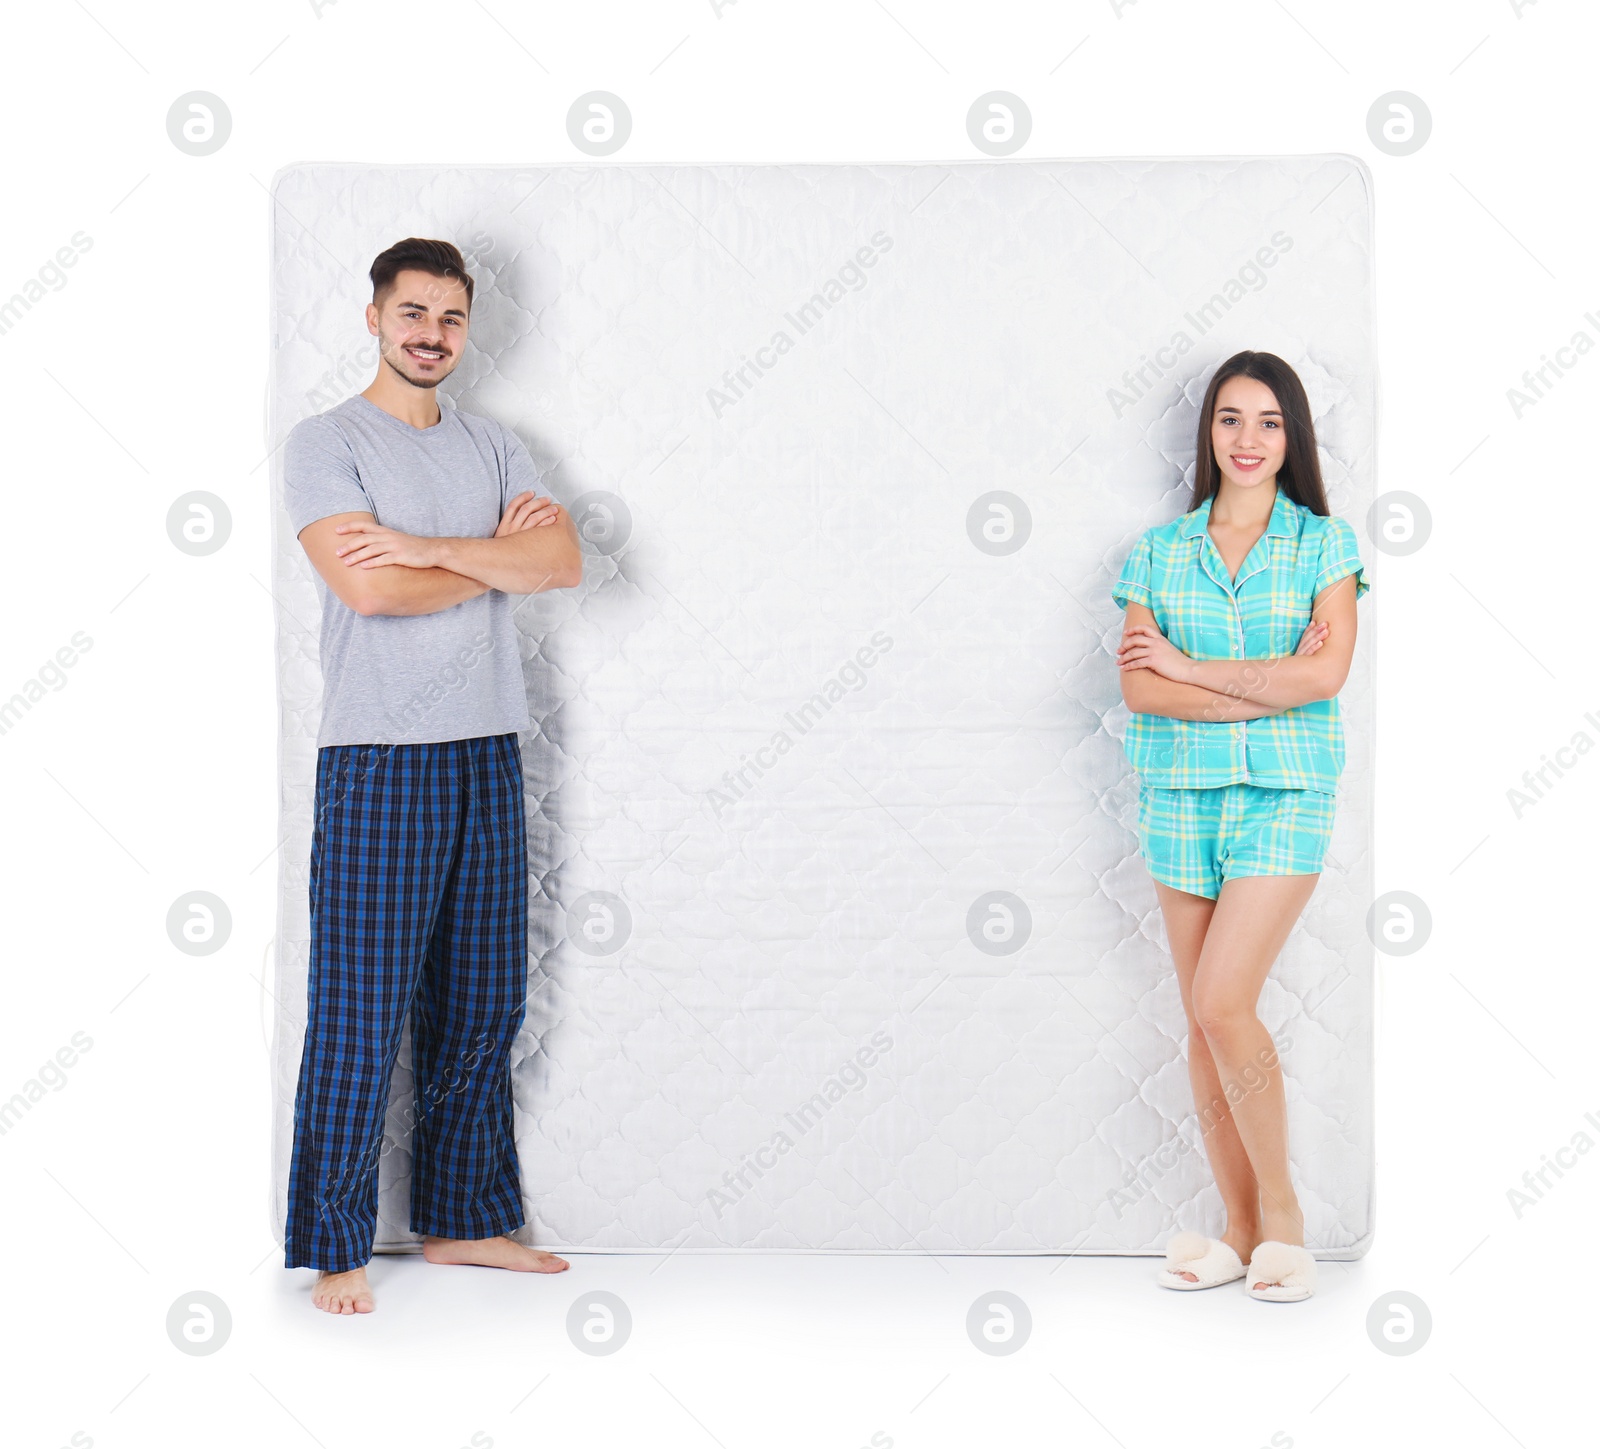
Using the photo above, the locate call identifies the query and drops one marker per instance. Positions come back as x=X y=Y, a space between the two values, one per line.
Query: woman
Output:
x=1240 y=627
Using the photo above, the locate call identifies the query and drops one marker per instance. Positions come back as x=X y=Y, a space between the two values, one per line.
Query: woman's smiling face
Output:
x=1247 y=432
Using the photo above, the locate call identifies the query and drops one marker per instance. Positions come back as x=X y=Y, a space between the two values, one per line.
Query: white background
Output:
x=143 y=1177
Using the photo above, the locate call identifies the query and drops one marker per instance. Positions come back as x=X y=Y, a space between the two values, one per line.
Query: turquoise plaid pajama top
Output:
x=1177 y=573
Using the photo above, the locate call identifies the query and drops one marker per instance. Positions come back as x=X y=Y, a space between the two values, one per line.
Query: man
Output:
x=417 y=518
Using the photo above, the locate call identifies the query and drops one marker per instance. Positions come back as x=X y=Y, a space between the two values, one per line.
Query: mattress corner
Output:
x=286 y=170
x=1359 y=165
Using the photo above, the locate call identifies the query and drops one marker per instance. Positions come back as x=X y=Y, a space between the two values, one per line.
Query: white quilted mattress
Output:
x=839 y=937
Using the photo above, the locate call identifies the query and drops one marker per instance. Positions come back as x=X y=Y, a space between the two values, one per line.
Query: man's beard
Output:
x=388 y=357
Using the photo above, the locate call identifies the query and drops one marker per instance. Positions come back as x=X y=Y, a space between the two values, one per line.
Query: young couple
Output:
x=422 y=521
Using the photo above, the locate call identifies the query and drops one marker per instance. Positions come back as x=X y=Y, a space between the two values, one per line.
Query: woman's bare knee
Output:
x=1224 y=1017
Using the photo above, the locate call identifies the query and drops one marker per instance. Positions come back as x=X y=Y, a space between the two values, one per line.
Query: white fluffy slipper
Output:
x=1289 y=1273
x=1211 y=1261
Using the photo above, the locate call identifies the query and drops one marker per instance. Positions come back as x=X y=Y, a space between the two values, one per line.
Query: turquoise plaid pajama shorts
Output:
x=1193 y=840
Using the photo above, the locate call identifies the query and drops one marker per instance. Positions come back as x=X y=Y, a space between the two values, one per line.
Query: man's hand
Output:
x=528 y=511
x=377 y=545
x=513 y=564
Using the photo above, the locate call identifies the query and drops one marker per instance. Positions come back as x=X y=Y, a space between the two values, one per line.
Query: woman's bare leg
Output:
x=1252 y=919
x=1188 y=918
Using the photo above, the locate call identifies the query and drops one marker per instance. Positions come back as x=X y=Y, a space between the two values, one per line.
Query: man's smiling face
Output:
x=421 y=326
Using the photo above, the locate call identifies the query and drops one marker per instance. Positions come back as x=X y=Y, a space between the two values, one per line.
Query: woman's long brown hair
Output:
x=1301 y=475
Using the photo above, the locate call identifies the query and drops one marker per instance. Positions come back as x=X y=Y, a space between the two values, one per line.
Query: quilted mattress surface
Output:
x=839 y=936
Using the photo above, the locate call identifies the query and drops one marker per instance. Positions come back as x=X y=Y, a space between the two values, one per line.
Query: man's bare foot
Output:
x=343 y=1292
x=501 y=1252
x=1242 y=1240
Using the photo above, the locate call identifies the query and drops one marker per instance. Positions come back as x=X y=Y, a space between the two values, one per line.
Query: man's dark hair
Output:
x=418 y=254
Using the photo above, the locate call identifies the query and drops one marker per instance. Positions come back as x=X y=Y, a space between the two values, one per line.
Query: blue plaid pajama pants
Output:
x=419 y=900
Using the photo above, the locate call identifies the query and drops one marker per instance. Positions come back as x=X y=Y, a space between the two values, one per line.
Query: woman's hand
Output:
x=1315 y=636
x=1146 y=647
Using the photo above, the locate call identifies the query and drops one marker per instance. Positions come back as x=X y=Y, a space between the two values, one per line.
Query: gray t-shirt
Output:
x=450 y=675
